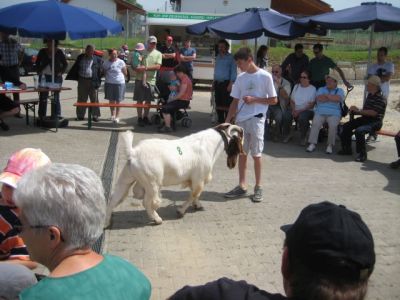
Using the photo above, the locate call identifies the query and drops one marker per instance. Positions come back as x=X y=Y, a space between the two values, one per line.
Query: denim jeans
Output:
x=361 y=126
x=44 y=95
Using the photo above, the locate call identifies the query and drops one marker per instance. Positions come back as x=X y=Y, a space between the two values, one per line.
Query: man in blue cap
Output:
x=328 y=254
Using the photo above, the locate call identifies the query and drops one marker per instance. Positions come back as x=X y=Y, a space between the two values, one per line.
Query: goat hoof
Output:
x=180 y=213
x=198 y=208
x=158 y=221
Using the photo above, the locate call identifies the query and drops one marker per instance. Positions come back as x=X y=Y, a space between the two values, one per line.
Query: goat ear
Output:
x=223 y=126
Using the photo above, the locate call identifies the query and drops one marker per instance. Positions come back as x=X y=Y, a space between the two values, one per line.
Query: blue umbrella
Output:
x=381 y=16
x=55 y=20
x=378 y=16
x=253 y=23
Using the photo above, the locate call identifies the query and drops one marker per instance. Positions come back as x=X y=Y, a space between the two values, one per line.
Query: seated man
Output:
x=280 y=112
x=328 y=254
x=371 y=119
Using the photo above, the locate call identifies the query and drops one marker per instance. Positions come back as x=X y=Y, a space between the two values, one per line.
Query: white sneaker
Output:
x=329 y=149
x=112 y=118
x=116 y=120
x=311 y=148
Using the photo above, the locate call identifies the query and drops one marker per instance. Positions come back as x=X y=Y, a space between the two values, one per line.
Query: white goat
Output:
x=188 y=161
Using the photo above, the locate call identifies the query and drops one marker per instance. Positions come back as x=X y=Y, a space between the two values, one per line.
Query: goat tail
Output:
x=127 y=140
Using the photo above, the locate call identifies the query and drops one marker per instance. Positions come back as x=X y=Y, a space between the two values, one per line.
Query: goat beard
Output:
x=233 y=150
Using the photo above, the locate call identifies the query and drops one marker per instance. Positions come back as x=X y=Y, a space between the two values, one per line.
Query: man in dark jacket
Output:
x=328 y=254
x=44 y=68
x=87 y=71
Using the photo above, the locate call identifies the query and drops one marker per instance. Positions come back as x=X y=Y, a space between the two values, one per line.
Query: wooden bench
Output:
x=386 y=133
x=90 y=105
x=29 y=105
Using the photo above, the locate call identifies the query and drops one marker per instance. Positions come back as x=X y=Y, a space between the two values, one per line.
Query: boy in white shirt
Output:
x=252 y=92
x=383 y=69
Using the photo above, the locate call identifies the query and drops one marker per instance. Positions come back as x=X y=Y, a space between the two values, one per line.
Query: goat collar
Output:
x=224 y=137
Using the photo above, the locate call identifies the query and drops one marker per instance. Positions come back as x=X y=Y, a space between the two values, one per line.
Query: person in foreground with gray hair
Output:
x=62 y=215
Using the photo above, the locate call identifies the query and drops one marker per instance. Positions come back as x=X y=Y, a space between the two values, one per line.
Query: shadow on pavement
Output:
x=392 y=176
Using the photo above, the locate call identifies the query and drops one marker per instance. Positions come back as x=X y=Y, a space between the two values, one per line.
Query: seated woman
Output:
x=328 y=110
x=180 y=101
x=62 y=215
x=371 y=120
x=302 y=102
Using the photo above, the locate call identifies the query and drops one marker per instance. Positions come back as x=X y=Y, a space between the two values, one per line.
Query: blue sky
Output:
x=336 y=4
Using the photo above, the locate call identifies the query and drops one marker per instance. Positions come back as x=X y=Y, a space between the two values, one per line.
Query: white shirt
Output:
x=379 y=70
x=113 y=71
x=302 y=96
x=258 y=84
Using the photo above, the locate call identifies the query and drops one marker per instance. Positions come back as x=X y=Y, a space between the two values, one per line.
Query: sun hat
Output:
x=333 y=76
x=139 y=47
x=375 y=80
x=331 y=240
x=22 y=162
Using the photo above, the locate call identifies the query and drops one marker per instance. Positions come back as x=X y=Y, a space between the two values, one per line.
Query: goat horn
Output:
x=233 y=128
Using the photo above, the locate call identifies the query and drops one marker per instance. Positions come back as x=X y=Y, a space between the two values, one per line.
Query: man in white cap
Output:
x=145 y=93
x=370 y=120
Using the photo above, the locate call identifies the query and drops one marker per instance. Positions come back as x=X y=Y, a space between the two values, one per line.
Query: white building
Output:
x=218 y=6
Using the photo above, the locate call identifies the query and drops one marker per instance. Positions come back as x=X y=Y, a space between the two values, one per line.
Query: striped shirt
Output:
x=376 y=102
x=9 y=51
x=11 y=244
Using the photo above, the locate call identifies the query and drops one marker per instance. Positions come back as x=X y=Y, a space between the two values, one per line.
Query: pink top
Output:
x=189 y=88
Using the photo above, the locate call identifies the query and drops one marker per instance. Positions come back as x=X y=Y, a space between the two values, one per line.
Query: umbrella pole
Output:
x=371 y=36
x=52 y=60
x=255 y=48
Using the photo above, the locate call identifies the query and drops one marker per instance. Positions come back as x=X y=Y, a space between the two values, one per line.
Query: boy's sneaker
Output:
x=258 y=196
x=237 y=192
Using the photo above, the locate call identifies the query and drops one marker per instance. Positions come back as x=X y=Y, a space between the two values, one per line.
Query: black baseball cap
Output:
x=331 y=240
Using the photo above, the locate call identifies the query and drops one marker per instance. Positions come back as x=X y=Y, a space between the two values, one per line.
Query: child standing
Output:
x=12 y=247
x=138 y=59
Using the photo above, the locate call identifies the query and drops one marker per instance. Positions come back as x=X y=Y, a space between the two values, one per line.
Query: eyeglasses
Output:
x=275 y=72
x=316 y=52
x=303 y=77
x=20 y=228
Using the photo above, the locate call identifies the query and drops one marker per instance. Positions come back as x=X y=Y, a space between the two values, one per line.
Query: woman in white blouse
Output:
x=302 y=103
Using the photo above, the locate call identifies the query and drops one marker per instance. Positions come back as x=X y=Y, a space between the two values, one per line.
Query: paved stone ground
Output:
x=233 y=238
